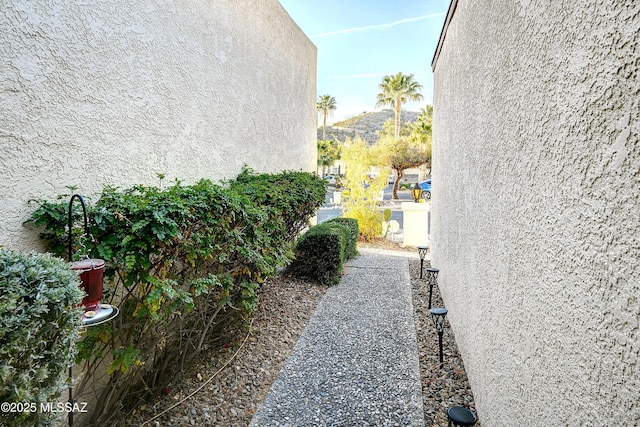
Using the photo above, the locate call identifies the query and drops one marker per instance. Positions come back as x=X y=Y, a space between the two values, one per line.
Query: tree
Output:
x=397 y=90
x=421 y=128
x=363 y=191
x=411 y=149
x=326 y=105
x=328 y=153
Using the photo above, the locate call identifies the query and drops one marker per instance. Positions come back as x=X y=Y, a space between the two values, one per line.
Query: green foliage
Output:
x=412 y=148
x=361 y=203
x=321 y=252
x=396 y=90
x=421 y=129
x=182 y=263
x=386 y=217
x=352 y=225
x=326 y=105
x=328 y=152
x=38 y=326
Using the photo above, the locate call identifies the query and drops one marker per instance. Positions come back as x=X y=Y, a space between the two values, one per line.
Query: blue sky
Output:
x=361 y=41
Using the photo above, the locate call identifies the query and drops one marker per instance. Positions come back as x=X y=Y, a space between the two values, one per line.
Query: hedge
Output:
x=184 y=262
x=322 y=250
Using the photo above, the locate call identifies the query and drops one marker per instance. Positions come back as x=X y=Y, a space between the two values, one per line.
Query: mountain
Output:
x=365 y=125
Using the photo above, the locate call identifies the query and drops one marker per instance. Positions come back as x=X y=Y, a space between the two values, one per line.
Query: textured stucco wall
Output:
x=110 y=92
x=536 y=207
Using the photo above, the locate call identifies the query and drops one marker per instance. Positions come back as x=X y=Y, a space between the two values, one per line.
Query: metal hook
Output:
x=86 y=225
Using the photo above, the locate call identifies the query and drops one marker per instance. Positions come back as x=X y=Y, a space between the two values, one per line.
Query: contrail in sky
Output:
x=379 y=26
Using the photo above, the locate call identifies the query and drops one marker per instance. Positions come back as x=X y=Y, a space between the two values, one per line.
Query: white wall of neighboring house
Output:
x=536 y=206
x=112 y=93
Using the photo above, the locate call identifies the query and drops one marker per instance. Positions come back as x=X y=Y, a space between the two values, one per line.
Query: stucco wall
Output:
x=109 y=92
x=536 y=207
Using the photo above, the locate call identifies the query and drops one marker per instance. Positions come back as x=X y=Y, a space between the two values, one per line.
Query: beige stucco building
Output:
x=536 y=206
x=111 y=93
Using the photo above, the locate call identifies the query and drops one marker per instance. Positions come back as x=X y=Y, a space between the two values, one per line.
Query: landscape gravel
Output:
x=357 y=361
x=232 y=379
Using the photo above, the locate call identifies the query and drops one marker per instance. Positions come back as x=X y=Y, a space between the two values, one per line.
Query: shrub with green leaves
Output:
x=183 y=262
x=322 y=251
x=39 y=322
x=352 y=225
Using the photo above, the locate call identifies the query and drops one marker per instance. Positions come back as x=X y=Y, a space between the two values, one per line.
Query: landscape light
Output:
x=432 y=272
x=438 y=316
x=422 y=252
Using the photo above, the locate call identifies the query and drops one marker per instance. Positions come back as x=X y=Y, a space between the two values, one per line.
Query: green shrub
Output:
x=290 y=197
x=321 y=252
x=39 y=321
x=183 y=262
x=352 y=225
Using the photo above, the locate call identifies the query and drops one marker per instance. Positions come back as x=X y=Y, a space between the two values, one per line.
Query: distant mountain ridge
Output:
x=365 y=125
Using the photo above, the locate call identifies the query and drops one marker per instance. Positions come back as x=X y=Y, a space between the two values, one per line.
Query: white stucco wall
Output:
x=109 y=92
x=536 y=207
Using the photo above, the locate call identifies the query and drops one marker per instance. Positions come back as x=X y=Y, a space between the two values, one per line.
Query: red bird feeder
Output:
x=91 y=272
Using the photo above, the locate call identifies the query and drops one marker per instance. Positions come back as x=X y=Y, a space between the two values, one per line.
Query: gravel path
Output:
x=232 y=395
x=356 y=364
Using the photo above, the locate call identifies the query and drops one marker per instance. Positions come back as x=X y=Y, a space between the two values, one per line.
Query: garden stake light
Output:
x=438 y=316
x=422 y=252
x=433 y=280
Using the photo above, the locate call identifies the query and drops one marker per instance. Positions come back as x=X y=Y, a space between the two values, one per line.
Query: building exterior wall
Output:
x=536 y=207
x=112 y=93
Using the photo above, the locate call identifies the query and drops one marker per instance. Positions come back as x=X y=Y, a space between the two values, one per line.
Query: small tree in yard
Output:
x=411 y=149
x=363 y=191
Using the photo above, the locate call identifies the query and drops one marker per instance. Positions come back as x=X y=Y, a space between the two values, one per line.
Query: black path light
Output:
x=432 y=272
x=459 y=416
x=416 y=192
x=438 y=316
x=422 y=252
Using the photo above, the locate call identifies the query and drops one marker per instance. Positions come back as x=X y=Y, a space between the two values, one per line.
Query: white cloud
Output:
x=378 y=26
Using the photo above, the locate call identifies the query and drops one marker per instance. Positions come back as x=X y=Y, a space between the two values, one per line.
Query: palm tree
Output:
x=396 y=90
x=326 y=105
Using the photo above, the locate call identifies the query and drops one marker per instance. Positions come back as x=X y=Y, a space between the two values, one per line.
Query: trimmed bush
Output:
x=352 y=225
x=184 y=263
x=321 y=252
x=39 y=322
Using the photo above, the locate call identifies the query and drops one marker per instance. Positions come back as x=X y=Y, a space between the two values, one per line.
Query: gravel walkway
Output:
x=356 y=363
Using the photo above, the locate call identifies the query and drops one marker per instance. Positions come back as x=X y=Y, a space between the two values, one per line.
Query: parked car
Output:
x=426 y=188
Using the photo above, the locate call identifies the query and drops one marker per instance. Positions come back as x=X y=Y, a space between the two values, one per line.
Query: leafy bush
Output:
x=39 y=320
x=321 y=252
x=290 y=197
x=352 y=243
x=184 y=262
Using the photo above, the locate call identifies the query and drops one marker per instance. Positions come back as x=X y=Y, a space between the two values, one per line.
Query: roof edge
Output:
x=443 y=33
